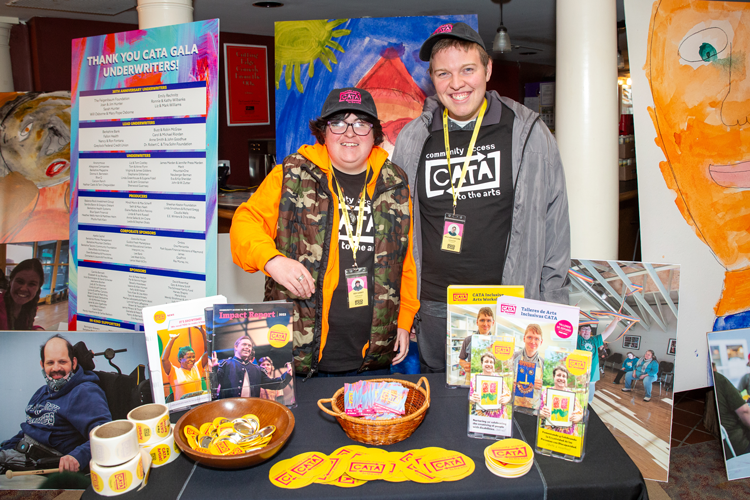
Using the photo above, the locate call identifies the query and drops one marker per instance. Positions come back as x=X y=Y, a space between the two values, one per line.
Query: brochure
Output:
x=465 y=302
x=563 y=412
x=178 y=352
x=536 y=325
x=490 y=399
x=251 y=352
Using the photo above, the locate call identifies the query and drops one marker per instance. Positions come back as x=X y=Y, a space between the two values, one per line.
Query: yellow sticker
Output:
x=160 y=316
x=559 y=442
x=279 y=336
x=163 y=427
x=144 y=432
x=369 y=466
x=445 y=464
x=218 y=421
x=120 y=481
x=139 y=469
x=578 y=362
x=160 y=453
x=221 y=447
x=503 y=350
x=512 y=451
x=299 y=471
x=418 y=474
x=205 y=428
x=96 y=482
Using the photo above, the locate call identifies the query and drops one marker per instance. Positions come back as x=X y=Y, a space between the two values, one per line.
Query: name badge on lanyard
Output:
x=356 y=287
x=453 y=227
x=356 y=278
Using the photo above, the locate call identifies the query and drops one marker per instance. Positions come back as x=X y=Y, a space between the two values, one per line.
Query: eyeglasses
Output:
x=359 y=128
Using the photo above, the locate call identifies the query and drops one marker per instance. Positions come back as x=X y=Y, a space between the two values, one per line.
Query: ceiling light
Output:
x=502 y=40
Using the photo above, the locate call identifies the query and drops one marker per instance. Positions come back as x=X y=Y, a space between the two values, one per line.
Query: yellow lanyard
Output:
x=469 y=153
x=353 y=242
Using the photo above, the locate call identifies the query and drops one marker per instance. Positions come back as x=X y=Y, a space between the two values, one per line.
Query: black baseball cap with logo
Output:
x=349 y=99
x=462 y=31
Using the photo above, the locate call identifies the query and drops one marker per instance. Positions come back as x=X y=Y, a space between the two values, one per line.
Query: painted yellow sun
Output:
x=302 y=42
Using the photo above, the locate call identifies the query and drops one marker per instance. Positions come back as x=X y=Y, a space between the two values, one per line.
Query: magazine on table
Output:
x=563 y=411
x=178 y=348
x=251 y=352
x=471 y=311
x=536 y=325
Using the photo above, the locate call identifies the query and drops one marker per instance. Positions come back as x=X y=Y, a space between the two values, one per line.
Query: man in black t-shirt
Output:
x=498 y=178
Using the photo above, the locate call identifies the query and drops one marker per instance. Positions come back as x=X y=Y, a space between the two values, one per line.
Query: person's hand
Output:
x=69 y=464
x=292 y=275
x=289 y=368
x=173 y=336
x=401 y=346
x=576 y=417
x=504 y=399
x=544 y=412
x=538 y=383
x=474 y=398
x=643 y=376
x=213 y=361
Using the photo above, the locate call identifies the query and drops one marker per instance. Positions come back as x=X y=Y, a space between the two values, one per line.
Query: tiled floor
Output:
x=687 y=427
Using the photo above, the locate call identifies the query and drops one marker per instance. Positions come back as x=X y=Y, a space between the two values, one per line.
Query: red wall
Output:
x=41 y=59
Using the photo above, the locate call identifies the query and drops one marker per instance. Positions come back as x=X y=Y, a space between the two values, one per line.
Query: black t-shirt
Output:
x=486 y=199
x=349 y=328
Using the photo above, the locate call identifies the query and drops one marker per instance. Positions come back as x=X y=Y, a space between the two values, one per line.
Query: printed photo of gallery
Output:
x=317 y=244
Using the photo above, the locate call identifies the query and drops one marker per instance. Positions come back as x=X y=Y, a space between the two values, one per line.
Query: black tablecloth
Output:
x=606 y=471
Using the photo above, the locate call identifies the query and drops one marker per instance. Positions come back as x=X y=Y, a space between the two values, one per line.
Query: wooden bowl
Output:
x=269 y=413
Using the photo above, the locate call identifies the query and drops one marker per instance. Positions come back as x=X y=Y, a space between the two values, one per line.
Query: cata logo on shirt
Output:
x=482 y=174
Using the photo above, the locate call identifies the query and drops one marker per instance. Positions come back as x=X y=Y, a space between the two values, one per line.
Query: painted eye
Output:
x=704 y=46
x=24 y=133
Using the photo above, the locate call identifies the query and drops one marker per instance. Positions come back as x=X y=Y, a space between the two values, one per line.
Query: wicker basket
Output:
x=382 y=432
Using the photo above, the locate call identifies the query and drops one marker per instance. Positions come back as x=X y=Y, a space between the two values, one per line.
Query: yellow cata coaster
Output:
x=466 y=474
x=369 y=465
x=446 y=464
x=335 y=470
x=417 y=473
x=346 y=481
x=512 y=451
x=190 y=431
x=508 y=473
x=299 y=471
x=395 y=475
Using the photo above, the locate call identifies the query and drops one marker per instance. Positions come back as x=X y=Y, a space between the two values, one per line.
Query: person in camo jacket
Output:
x=332 y=214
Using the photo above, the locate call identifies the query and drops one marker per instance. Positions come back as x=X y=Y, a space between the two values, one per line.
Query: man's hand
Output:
x=465 y=365
x=505 y=399
x=69 y=464
x=401 y=346
x=289 y=368
x=544 y=412
x=287 y=273
x=643 y=376
x=474 y=398
x=213 y=361
x=538 y=383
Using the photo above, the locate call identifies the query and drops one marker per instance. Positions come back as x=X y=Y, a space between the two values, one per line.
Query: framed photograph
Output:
x=246 y=80
x=672 y=347
x=561 y=407
x=631 y=342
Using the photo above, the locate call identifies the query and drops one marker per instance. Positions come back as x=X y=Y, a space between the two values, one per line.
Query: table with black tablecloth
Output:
x=606 y=471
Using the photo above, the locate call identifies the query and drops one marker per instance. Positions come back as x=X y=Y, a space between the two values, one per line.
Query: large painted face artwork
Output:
x=35 y=137
x=699 y=73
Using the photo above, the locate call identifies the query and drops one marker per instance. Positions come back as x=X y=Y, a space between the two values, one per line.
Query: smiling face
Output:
x=532 y=340
x=188 y=361
x=561 y=379
x=460 y=80
x=648 y=355
x=57 y=363
x=585 y=332
x=349 y=151
x=484 y=324
x=488 y=365
x=267 y=367
x=244 y=350
x=700 y=82
x=24 y=287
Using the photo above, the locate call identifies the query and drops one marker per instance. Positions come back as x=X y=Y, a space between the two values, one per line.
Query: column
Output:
x=6 y=70
x=586 y=122
x=156 y=13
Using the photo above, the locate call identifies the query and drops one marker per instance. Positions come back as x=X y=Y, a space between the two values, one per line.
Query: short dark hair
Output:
x=561 y=368
x=488 y=355
x=71 y=355
x=464 y=45
x=182 y=352
x=486 y=311
x=318 y=126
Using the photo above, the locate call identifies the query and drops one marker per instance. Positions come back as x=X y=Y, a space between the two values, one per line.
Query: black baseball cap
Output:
x=349 y=99
x=462 y=31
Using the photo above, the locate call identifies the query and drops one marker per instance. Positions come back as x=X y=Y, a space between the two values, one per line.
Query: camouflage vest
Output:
x=304 y=233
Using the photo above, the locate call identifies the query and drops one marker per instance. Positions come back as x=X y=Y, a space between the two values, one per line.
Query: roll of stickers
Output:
x=119 y=479
x=152 y=423
x=164 y=452
x=114 y=443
